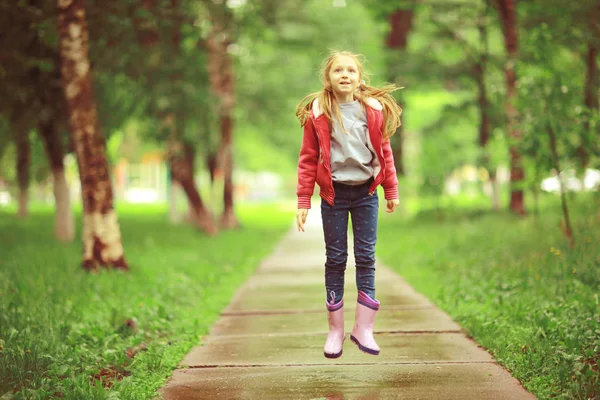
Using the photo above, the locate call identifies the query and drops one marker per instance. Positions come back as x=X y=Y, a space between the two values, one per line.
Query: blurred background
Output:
x=500 y=98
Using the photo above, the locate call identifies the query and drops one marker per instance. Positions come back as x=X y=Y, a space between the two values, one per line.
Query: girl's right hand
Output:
x=301 y=218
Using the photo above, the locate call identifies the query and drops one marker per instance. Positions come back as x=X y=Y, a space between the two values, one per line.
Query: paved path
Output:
x=268 y=343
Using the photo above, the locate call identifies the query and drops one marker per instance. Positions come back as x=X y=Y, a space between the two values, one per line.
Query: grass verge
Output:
x=67 y=334
x=515 y=286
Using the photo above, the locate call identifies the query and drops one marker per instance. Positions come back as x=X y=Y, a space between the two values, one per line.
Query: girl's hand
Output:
x=391 y=205
x=301 y=218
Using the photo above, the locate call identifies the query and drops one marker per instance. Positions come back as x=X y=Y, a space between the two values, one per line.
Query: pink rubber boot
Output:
x=335 y=338
x=362 y=333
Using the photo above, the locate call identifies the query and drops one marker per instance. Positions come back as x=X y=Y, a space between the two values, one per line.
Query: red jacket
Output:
x=313 y=162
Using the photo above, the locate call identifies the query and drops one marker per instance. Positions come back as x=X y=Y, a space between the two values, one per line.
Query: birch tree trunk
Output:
x=101 y=234
x=508 y=16
x=64 y=222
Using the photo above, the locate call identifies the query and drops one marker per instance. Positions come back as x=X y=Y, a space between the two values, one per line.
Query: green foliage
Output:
x=441 y=136
x=256 y=155
x=277 y=49
x=147 y=82
x=446 y=46
x=514 y=285
x=60 y=326
x=445 y=146
x=8 y=160
x=551 y=97
x=574 y=24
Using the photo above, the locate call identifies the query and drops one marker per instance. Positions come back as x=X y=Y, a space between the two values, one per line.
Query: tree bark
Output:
x=101 y=234
x=64 y=221
x=508 y=15
x=400 y=22
x=181 y=162
x=23 y=166
x=221 y=77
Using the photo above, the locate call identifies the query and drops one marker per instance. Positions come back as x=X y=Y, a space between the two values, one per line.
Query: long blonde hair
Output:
x=327 y=102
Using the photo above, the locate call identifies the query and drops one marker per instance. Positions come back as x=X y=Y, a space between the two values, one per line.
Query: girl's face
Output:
x=344 y=77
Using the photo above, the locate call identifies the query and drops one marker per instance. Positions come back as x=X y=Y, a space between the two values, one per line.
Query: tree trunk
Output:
x=221 y=78
x=400 y=22
x=566 y=228
x=181 y=163
x=508 y=15
x=180 y=156
x=591 y=102
x=212 y=164
x=495 y=190
x=23 y=165
x=485 y=121
x=64 y=222
x=101 y=234
x=400 y=25
x=228 y=219
x=51 y=119
x=174 y=215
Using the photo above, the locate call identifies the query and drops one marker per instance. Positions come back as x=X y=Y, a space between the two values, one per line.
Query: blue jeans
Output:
x=363 y=208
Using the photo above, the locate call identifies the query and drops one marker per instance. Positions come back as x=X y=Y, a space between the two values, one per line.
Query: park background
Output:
x=177 y=118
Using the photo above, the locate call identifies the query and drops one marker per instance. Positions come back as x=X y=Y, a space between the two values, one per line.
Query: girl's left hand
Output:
x=391 y=205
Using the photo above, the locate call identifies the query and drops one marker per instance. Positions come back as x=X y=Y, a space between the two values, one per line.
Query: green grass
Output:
x=60 y=327
x=514 y=285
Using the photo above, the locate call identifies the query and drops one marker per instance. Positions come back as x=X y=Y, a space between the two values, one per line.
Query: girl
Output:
x=346 y=151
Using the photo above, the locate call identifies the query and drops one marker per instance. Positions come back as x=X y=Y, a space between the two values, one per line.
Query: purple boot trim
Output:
x=366 y=301
x=364 y=348
x=334 y=307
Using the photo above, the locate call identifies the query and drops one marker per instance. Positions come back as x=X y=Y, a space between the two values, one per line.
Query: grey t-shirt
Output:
x=351 y=159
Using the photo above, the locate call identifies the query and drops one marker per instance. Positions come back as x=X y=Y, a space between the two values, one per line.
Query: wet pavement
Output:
x=268 y=343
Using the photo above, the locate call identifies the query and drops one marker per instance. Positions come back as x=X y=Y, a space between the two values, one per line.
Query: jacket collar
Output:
x=371 y=102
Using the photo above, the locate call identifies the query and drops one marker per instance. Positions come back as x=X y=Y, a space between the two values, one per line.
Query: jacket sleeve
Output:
x=390 y=183
x=307 y=165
